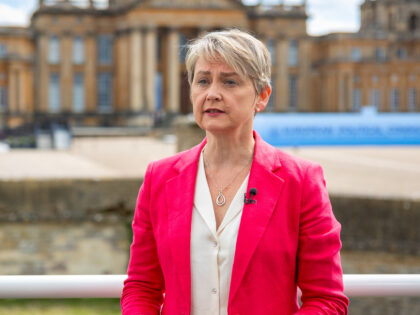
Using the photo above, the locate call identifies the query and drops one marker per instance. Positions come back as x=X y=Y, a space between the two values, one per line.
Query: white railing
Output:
x=110 y=286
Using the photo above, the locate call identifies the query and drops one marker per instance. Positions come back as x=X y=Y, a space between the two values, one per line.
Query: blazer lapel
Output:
x=255 y=217
x=179 y=193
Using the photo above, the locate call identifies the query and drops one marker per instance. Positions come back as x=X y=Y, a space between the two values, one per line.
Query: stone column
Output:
x=150 y=68
x=136 y=57
x=282 y=77
x=350 y=89
x=173 y=75
x=11 y=90
x=341 y=92
x=23 y=106
x=304 y=76
x=90 y=73
x=364 y=90
x=66 y=73
x=122 y=71
x=42 y=81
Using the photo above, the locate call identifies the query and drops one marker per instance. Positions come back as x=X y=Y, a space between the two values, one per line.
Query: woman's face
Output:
x=222 y=100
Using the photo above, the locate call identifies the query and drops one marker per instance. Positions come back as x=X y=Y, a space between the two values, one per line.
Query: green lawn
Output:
x=60 y=307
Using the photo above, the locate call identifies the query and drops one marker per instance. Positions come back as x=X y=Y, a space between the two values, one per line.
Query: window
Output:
x=380 y=54
x=54 y=50
x=104 y=47
x=413 y=23
x=54 y=93
x=78 y=93
x=390 y=21
x=394 y=100
x=356 y=54
x=104 y=92
x=3 y=50
x=293 y=53
x=158 y=91
x=412 y=100
x=401 y=53
x=3 y=98
x=183 y=42
x=375 y=79
x=357 y=100
x=159 y=47
x=78 y=50
x=356 y=79
x=293 y=93
x=272 y=50
x=375 y=98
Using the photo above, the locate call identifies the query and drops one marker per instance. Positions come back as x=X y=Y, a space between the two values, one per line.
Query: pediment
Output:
x=192 y=4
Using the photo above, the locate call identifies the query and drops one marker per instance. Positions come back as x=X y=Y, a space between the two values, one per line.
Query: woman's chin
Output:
x=217 y=128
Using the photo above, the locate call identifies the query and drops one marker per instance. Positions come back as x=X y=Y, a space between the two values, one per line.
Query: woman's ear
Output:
x=263 y=99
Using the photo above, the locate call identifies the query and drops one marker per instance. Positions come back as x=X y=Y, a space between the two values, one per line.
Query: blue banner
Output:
x=365 y=128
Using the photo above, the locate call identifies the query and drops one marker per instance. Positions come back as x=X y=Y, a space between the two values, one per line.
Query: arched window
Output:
x=413 y=23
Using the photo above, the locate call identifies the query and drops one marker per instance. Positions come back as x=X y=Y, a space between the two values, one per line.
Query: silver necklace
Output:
x=221 y=199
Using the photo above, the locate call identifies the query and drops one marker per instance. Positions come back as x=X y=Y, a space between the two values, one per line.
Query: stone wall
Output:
x=384 y=225
x=64 y=248
x=66 y=226
x=66 y=200
x=44 y=223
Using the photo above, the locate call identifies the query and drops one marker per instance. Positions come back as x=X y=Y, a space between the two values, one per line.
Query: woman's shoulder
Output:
x=294 y=165
x=175 y=162
x=291 y=159
x=282 y=159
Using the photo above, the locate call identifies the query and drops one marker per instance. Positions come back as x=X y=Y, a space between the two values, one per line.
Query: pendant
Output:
x=220 y=200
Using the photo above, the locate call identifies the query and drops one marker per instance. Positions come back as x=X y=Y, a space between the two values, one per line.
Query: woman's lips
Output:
x=213 y=111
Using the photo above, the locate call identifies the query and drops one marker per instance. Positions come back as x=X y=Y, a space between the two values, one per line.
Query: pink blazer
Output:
x=288 y=239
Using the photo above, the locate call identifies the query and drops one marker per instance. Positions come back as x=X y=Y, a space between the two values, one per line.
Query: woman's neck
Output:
x=226 y=151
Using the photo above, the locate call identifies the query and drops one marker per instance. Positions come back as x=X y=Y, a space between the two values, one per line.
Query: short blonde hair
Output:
x=247 y=55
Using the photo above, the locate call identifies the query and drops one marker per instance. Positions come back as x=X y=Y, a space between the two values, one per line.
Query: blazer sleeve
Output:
x=143 y=289
x=319 y=273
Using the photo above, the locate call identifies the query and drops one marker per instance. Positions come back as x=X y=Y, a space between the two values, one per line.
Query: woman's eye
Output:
x=230 y=82
x=202 y=81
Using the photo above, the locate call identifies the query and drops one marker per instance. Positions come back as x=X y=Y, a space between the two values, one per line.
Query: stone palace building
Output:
x=122 y=64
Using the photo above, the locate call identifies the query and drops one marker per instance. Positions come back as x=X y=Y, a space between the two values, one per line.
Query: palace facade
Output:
x=122 y=64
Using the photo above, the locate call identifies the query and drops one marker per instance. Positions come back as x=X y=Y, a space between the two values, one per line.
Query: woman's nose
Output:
x=213 y=93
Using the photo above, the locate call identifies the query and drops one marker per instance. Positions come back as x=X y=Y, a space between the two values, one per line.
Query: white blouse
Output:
x=212 y=251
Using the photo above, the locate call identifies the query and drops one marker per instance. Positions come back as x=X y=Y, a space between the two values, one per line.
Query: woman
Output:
x=233 y=225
